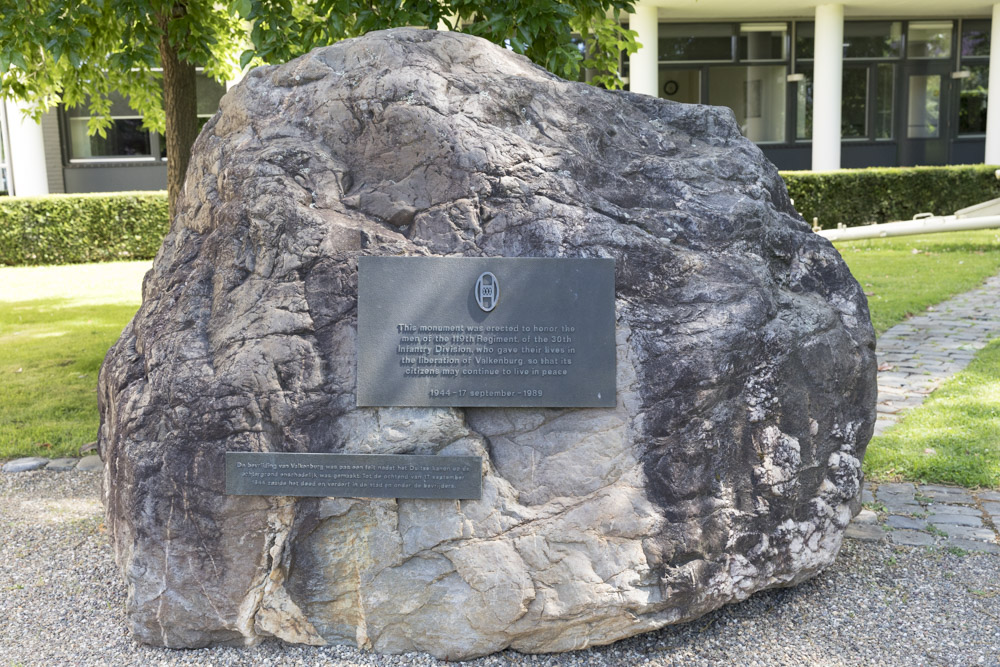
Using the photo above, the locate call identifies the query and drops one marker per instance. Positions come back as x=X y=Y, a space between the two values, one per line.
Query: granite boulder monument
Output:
x=744 y=366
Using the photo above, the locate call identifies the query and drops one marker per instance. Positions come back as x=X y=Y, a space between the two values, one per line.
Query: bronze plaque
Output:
x=353 y=475
x=486 y=331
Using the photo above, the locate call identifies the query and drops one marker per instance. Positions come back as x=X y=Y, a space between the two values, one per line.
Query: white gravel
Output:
x=61 y=603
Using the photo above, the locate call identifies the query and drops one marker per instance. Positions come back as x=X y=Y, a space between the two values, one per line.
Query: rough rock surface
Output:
x=746 y=367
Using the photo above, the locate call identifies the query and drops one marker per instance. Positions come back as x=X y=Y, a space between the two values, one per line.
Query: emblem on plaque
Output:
x=487 y=291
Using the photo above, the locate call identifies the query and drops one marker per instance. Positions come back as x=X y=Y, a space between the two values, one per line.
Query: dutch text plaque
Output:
x=353 y=475
x=491 y=332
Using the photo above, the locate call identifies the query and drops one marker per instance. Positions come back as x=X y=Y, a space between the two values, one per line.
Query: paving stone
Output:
x=891 y=378
x=62 y=465
x=967 y=533
x=866 y=496
x=898 y=521
x=865 y=516
x=90 y=463
x=882 y=426
x=912 y=538
x=947 y=493
x=941 y=508
x=992 y=508
x=973 y=545
x=904 y=489
x=992 y=496
x=897 y=505
x=866 y=532
x=25 y=464
x=955 y=520
x=910 y=401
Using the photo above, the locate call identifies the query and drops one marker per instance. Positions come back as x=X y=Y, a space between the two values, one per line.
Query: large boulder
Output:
x=745 y=366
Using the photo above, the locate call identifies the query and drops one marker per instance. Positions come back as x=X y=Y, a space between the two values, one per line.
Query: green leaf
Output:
x=245 y=58
x=243 y=8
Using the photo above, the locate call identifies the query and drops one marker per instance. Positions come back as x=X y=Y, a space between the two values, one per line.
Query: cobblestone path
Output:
x=915 y=357
x=919 y=354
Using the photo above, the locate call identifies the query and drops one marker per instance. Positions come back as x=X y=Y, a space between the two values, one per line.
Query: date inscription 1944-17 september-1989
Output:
x=480 y=331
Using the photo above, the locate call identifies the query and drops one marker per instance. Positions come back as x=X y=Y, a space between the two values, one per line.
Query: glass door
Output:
x=924 y=123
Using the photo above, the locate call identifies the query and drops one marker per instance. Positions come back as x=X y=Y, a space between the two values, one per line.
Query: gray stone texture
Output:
x=974 y=545
x=912 y=538
x=956 y=519
x=941 y=508
x=62 y=465
x=866 y=532
x=25 y=464
x=908 y=522
x=90 y=463
x=966 y=532
x=746 y=371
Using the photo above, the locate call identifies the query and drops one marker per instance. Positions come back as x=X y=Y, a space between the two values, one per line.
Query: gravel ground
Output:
x=61 y=603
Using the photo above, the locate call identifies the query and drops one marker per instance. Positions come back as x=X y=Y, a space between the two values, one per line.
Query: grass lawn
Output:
x=902 y=276
x=56 y=324
x=954 y=437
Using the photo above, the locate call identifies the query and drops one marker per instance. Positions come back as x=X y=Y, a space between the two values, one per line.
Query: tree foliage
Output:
x=544 y=30
x=80 y=52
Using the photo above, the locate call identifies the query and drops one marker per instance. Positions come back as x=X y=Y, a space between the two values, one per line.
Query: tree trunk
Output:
x=180 y=105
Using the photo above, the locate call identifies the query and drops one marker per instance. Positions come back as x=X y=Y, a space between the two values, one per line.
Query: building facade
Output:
x=823 y=86
x=817 y=86
x=58 y=156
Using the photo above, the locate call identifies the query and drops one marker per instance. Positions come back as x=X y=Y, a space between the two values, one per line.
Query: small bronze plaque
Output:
x=353 y=475
x=486 y=331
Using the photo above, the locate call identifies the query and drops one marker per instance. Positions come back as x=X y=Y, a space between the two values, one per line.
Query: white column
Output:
x=643 y=66
x=993 y=110
x=25 y=153
x=828 y=80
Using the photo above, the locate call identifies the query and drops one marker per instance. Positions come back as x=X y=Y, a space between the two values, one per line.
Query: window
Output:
x=805 y=40
x=974 y=77
x=762 y=41
x=755 y=91
x=804 y=105
x=862 y=39
x=923 y=119
x=865 y=113
x=885 y=77
x=126 y=139
x=873 y=39
x=854 y=103
x=929 y=39
x=681 y=85
x=975 y=38
x=972 y=100
x=696 y=41
x=756 y=94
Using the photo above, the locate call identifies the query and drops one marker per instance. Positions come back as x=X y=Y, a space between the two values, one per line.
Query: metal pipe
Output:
x=932 y=225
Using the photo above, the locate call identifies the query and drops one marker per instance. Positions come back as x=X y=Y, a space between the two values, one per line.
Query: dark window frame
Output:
x=157 y=143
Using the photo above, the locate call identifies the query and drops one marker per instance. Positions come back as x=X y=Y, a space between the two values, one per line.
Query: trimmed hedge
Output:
x=104 y=227
x=69 y=229
x=862 y=196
